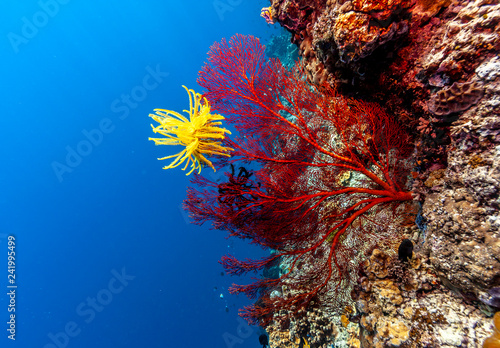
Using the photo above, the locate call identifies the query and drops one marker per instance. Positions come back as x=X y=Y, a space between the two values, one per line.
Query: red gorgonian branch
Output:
x=329 y=181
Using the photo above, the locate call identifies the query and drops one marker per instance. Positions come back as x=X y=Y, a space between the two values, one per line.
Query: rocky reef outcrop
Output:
x=434 y=65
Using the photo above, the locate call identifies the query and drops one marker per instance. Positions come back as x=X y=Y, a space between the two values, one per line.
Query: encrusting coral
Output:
x=200 y=134
x=458 y=97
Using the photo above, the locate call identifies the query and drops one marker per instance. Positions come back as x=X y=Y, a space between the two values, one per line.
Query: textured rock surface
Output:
x=463 y=237
x=405 y=49
x=406 y=307
x=413 y=309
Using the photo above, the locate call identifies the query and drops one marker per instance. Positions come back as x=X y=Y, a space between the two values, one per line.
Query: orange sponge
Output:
x=494 y=340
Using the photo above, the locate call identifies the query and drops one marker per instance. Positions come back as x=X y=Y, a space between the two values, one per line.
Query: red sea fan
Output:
x=330 y=184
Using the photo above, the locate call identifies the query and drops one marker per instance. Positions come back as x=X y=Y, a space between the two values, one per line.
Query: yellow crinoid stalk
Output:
x=200 y=134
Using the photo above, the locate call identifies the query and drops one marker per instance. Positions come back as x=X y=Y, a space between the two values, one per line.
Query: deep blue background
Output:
x=116 y=208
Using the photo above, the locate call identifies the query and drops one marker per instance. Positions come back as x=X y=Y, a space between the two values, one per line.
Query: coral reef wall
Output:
x=435 y=65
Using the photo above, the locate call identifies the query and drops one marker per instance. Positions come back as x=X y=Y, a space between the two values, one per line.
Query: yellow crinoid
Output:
x=200 y=134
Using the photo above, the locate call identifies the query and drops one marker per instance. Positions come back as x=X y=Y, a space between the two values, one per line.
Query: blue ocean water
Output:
x=104 y=254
